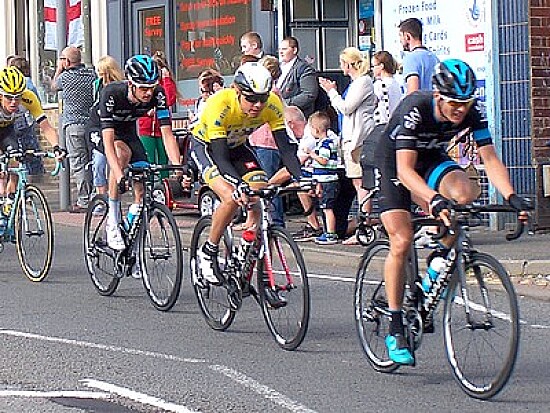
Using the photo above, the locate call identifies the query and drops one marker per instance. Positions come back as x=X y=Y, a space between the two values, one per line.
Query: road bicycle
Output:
x=480 y=310
x=152 y=243
x=27 y=221
x=274 y=257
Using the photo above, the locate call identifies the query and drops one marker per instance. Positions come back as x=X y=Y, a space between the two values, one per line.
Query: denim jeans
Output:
x=270 y=161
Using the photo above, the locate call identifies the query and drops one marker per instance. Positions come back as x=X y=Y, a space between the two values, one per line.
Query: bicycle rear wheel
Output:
x=287 y=324
x=372 y=319
x=482 y=350
x=161 y=257
x=34 y=234
x=212 y=299
x=99 y=257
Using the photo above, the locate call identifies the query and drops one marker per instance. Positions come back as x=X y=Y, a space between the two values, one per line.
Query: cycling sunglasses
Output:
x=255 y=98
x=11 y=97
x=455 y=103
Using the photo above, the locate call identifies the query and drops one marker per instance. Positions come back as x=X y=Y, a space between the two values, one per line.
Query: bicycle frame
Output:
x=22 y=181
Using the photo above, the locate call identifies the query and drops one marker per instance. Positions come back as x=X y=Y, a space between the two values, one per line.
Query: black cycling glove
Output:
x=519 y=203
x=241 y=189
x=122 y=187
x=439 y=203
x=59 y=151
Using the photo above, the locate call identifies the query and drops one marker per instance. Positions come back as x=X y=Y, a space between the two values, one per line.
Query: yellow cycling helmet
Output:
x=12 y=81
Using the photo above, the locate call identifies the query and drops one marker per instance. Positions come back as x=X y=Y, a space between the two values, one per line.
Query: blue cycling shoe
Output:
x=398 y=349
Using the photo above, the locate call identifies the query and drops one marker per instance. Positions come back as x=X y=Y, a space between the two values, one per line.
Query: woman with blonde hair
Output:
x=356 y=110
x=108 y=70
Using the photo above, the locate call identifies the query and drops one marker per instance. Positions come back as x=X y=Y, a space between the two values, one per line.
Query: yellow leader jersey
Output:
x=222 y=118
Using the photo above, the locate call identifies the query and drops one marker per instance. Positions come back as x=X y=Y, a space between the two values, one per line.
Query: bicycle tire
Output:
x=482 y=376
x=288 y=325
x=371 y=321
x=99 y=259
x=212 y=299
x=161 y=257
x=34 y=238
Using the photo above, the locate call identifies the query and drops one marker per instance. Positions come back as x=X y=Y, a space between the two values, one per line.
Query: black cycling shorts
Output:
x=133 y=142
x=8 y=139
x=243 y=159
x=433 y=166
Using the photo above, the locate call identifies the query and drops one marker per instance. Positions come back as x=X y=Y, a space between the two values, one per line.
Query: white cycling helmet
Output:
x=252 y=77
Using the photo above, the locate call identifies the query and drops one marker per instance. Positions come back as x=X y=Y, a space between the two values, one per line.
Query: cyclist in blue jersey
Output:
x=414 y=165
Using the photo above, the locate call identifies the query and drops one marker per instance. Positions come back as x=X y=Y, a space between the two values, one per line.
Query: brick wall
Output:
x=539 y=41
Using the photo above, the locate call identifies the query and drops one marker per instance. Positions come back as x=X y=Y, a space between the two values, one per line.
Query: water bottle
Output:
x=133 y=211
x=436 y=265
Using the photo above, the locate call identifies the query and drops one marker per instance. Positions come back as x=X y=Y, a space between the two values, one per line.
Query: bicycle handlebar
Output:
x=146 y=167
x=271 y=191
x=476 y=209
x=21 y=155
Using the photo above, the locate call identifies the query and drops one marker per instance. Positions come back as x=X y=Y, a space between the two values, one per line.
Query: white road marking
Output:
x=135 y=396
x=495 y=313
x=261 y=389
x=240 y=378
x=88 y=344
x=75 y=394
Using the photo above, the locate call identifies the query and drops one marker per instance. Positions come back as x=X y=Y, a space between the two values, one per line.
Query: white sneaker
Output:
x=207 y=268
x=114 y=238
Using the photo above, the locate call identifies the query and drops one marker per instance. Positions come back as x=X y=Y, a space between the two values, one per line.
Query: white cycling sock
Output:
x=114 y=212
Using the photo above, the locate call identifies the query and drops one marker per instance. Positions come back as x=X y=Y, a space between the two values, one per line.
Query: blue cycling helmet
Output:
x=455 y=80
x=142 y=70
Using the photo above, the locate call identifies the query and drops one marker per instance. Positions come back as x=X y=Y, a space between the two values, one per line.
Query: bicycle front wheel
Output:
x=481 y=329
x=34 y=234
x=212 y=299
x=161 y=257
x=288 y=324
x=99 y=257
x=372 y=319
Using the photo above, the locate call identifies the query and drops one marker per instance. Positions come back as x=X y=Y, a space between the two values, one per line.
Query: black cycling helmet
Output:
x=252 y=77
x=142 y=70
x=454 y=79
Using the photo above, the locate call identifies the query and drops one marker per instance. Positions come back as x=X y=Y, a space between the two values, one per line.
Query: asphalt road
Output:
x=64 y=348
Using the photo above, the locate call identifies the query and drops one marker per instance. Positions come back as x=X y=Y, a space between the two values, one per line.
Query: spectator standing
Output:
x=388 y=93
x=251 y=44
x=419 y=63
x=298 y=83
x=76 y=83
x=108 y=70
x=324 y=159
x=357 y=109
x=148 y=125
x=265 y=147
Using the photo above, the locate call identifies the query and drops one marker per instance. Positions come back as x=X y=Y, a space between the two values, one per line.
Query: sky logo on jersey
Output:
x=411 y=119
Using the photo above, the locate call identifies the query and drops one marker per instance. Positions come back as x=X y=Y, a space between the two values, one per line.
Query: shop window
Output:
x=47 y=50
x=208 y=36
x=152 y=37
x=322 y=30
x=335 y=40
x=304 y=10
x=334 y=10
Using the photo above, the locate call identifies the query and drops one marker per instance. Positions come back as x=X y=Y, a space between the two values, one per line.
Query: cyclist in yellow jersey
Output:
x=224 y=159
x=13 y=96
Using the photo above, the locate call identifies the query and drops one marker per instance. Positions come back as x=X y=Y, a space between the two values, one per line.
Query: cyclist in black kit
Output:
x=120 y=105
x=414 y=164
